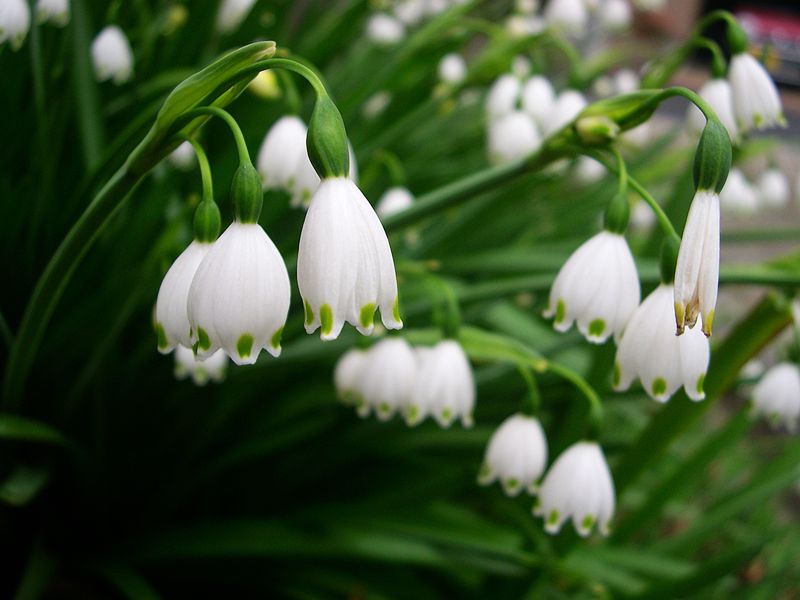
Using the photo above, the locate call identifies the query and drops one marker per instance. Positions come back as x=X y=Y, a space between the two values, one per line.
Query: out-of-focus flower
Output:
x=347 y=376
x=15 y=20
x=182 y=157
x=774 y=189
x=566 y=107
x=756 y=101
x=394 y=200
x=376 y=104
x=512 y=137
x=387 y=378
x=212 y=368
x=452 y=68
x=385 y=30
x=232 y=14
x=588 y=170
x=777 y=395
x=112 y=55
x=738 y=196
x=626 y=81
x=503 y=96
x=521 y=66
x=516 y=455
x=615 y=15
x=570 y=15
x=719 y=95
x=538 y=97
x=410 y=12
x=522 y=26
x=53 y=11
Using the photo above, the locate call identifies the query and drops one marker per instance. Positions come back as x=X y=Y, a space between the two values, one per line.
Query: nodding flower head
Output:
x=112 y=55
x=15 y=20
x=777 y=395
x=516 y=455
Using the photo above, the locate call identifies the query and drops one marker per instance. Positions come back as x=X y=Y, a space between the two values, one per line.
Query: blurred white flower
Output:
x=53 y=11
x=566 y=107
x=738 y=196
x=777 y=395
x=522 y=26
x=376 y=104
x=232 y=14
x=615 y=15
x=626 y=81
x=756 y=101
x=394 y=200
x=588 y=170
x=719 y=95
x=538 y=98
x=697 y=271
x=347 y=375
x=385 y=30
x=445 y=386
x=650 y=5
x=598 y=287
x=639 y=136
x=650 y=350
x=410 y=12
x=526 y=7
x=512 y=137
x=183 y=157
x=521 y=66
x=642 y=216
x=15 y=20
x=578 y=486
x=344 y=266
x=570 y=15
x=112 y=55
x=516 y=455
x=752 y=368
x=774 y=189
x=452 y=68
x=387 y=378
x=212 y=368
x=239 y=297
x=503 y=96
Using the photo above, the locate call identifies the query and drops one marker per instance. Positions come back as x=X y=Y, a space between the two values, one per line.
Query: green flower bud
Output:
x=327 y=140
x=247 y=193
x=737 y=37
x=712 y=161
x=626 y=111
x=668 y=260
x=206 y=221
x=617 y=214
x=596 y=130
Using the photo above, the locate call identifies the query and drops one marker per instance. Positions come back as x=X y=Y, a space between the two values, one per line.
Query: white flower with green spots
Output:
x=345 y=269
x=777 y=395
x=239 y=297
x=15 y=20
x=516 y=455
x=577 y=486
x=387 y=378
x=650 y=350
x=756 y=102
x=347 y=375
x=598 y=287
x=212 y=368
x=563 y=111
x=112 y=55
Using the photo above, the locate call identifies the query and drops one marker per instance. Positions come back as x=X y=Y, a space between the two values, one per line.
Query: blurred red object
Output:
x=774 y=39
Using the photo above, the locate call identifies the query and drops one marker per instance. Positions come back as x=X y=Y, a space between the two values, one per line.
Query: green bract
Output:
x=712 y=161
x=626 y=111
x=206 y=221
x=247 y=193
x=327 y=140
x=617 y=214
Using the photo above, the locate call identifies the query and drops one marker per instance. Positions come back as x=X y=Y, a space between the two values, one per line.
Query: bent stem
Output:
x=215 y=111
x=595 y=404
x=205 y=169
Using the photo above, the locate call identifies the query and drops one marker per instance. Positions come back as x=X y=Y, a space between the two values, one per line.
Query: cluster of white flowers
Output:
x=393 y=377
x=771 y=190
x=391 y=27
x=578 y=17
x=15 y=18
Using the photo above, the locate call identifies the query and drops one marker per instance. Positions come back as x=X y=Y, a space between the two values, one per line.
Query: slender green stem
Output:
x=451 y=317
x=394 y=167
x=205 y=169
x=532 y=400
x=290 y=65
x=718 y=63
x=215 y=111
x=595 y=404
x=622 y=171
x=290 y=93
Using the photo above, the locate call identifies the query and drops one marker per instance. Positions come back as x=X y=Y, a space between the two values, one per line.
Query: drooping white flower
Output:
x=615 y=15
x=516 y=455
x=588 y=170
x=538 y=97
x=53 y=11
x=182 y=157
x=626 y=81
x=410 y=12
x=503 y=96
x=232 y=14
x=15 y=20
x=756 y=101
x=512 y=137
x=521 y=66
x=394 y=200
x=172 y=320
x=347 y=375
x=385 y=30
x=578 y=486
x=376 y=104
x=650 y=350
x=719 y=95
x=452 y=68
x=239 y=297
x=445 y=386
x=738 y=196
x=387 y=378
x=567 y=106
x=112 y=55
x=777 y=395
x=642 y=216
x=344 y=266
x=212 y=368
x=598 y=287
x=697 y=271
x=571 y=16
x=774 y=189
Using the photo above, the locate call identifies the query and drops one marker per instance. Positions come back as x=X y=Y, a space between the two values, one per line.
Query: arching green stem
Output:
x=532 y=400
x=241 y=145
x=595 y=404
x=205 y=169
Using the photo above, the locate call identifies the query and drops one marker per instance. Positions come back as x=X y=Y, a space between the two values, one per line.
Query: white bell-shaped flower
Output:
x=512 y=137
x=650 y=350
x=452 y=68
x=588 y=170
x=445 y=386
x=387 y=378
x=516 y=455
x=572 y=16
x=212 y=368
x=172 y=320
x=502 y=96
x=598 y=287
x=15 y=20
x=375 y=105
x=774 y=189
x=53 y=11
x=347 y=376
x=777 y=395
x=719 y=95
x=183 y=157
x=112 y=56
x=567 y=106
x=538 y=97
x=625 y=81
x=615 y=15
x=239 y=297
x=232 y=14
x=522 y=26
x=738 y=196
x=345 y=268
x=393 y=201
x=697 y=271
x=385 y=30
x=578 y=486
x=756 y=101
x=410 y=12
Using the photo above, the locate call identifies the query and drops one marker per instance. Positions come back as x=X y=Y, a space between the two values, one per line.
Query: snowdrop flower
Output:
x=232 y=14
x=615 y=15
x=410 y=12
x=777 y=395
x=738 y=196
x=376 y=104
x=394 y=200
x=756 y=101
x=516 y=455
x=347 y=375
x=444 y=388
x=538 y=97
x=642 y=216
x=112 y=55
x=588 y=170
x=570 y=15
x=719 y=95
x=502 y=96
x=650 y=350
x=452 y=69
x=598 y=287
x=626 y=81
x=578 y=485
x=512 y=137
x=182 y=157
x=239 y=297
x=344 y=266
x=212 y=368
x=15 y=20
x=387 y=378
x=567 y=106
x=172 y=320
x=752 y=369
x=385 y=30
x=774 y=189
x=54 y=11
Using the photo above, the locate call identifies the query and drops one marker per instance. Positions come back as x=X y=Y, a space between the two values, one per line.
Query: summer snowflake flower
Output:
x=239 y=297
x=756 y=101
x=577 y=486
x=445 y=386
x=232 y=14
x=719 y=95
x=566 y=107
x=15 y=20
x=393 y=201
x=385 y=30
x=387 y=378
x=512 y=137
x=650 y=350
x=615 y=15
x=503 y=96
x=538 y=97
x=345 y=268
x=54 y=11
x=738 y=196
x=774 y=189
x=516 y=455
x=777 y=395
x=347 y=375
x=452 y=68
x=598 y=287
x=182 y=157
x=570 y=15
x=588 y=170
x=112 y=55
x=212 y=368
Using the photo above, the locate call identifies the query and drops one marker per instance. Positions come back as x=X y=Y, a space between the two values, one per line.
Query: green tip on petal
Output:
x=659 y=386
x=447 y=414
x=396 y=310
x=203 y=343
x=700 y=382
x=309 y=312
x=367 y=316
x=552 y=518
x=617 y=374
x=245 y=345
x=275 y=341
x=484 y=474
x=597 y=327
x=588 y=522
x=680 y=316
x=708 y=320
x=511 y=484
x=326 y=318
x=162 y=336
x=561 y=311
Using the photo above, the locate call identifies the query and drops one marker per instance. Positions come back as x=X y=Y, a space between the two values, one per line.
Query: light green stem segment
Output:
x=595 y=404
x=236 y=131
x=205 y=169
x=532 y=400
